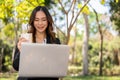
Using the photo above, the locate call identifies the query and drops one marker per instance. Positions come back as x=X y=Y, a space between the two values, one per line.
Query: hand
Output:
x=21 y=39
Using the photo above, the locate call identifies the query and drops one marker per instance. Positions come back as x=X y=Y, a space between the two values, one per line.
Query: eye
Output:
x=44 y=19
x=36 y=19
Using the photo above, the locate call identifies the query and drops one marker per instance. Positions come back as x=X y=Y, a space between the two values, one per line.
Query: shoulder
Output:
x=57 y=41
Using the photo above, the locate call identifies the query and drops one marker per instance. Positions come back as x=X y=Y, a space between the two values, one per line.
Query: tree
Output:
x=6 y=9
x=70 y=17
x=6 y=31
x=101 y=42
x=115 y=14
x=85 y=44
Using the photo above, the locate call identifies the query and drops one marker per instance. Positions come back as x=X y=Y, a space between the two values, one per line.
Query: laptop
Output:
x=43 y=60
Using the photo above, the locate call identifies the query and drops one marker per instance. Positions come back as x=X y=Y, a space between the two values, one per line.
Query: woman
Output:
x=42 y=32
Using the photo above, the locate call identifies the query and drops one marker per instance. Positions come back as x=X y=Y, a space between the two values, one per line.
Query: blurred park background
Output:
x=90 y=27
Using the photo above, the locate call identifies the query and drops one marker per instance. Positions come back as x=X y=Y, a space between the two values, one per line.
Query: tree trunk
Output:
x=85 y=46
x=15 y=21
x=1 y=57
x=116 y=58
x=101 y=42
x=101 y=53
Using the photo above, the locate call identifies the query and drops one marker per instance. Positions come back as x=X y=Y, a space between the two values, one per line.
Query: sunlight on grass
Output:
x=13 y=76
x=93 y=78
x=8 y=76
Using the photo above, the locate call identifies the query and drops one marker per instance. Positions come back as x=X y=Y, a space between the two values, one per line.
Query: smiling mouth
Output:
x=40 y=27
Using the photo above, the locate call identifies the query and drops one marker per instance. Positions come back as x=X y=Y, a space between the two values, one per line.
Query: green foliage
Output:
x=1 y=1
x=114 y=44
x=115 y=17
x=29 y=5
x=93 y=29
x=94 y=61
x=85 y=9
x=109 y=48
x=74 y=70
x=8 y=31
x=6 y=9
x=7 y=58
x=78 y=49
x=78 y=57
x=102 y=1
x=113 y=50
x=22 y=12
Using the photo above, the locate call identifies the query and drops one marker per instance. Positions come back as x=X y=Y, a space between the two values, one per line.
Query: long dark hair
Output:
x=49 y=30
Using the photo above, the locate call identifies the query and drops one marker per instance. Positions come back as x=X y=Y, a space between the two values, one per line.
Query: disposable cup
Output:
x=27 y=36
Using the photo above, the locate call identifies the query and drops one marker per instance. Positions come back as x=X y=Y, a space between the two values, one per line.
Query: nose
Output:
x=39 y=22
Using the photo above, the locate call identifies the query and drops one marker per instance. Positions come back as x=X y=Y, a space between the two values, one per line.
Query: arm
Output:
x=16 y=59
x=17 y=54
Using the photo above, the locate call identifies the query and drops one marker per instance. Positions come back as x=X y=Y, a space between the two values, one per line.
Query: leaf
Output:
x=79 y=5
x=116 y=1
x=102 y=1
x=85 y=9
x=1 y=2
x=6 y=9
x=8 y=30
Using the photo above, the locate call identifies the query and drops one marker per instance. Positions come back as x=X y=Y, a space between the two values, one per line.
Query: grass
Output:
x=7 y=76
x=93 y=78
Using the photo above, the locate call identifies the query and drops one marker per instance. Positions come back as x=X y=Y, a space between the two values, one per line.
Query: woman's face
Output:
x=40 y=22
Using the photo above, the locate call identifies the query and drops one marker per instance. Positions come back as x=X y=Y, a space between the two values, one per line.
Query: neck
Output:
x=40 y=37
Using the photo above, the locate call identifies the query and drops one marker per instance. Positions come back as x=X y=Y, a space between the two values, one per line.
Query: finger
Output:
x=22 y=39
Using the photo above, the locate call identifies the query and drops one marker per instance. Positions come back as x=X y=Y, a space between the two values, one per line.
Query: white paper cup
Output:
x=27 y=36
